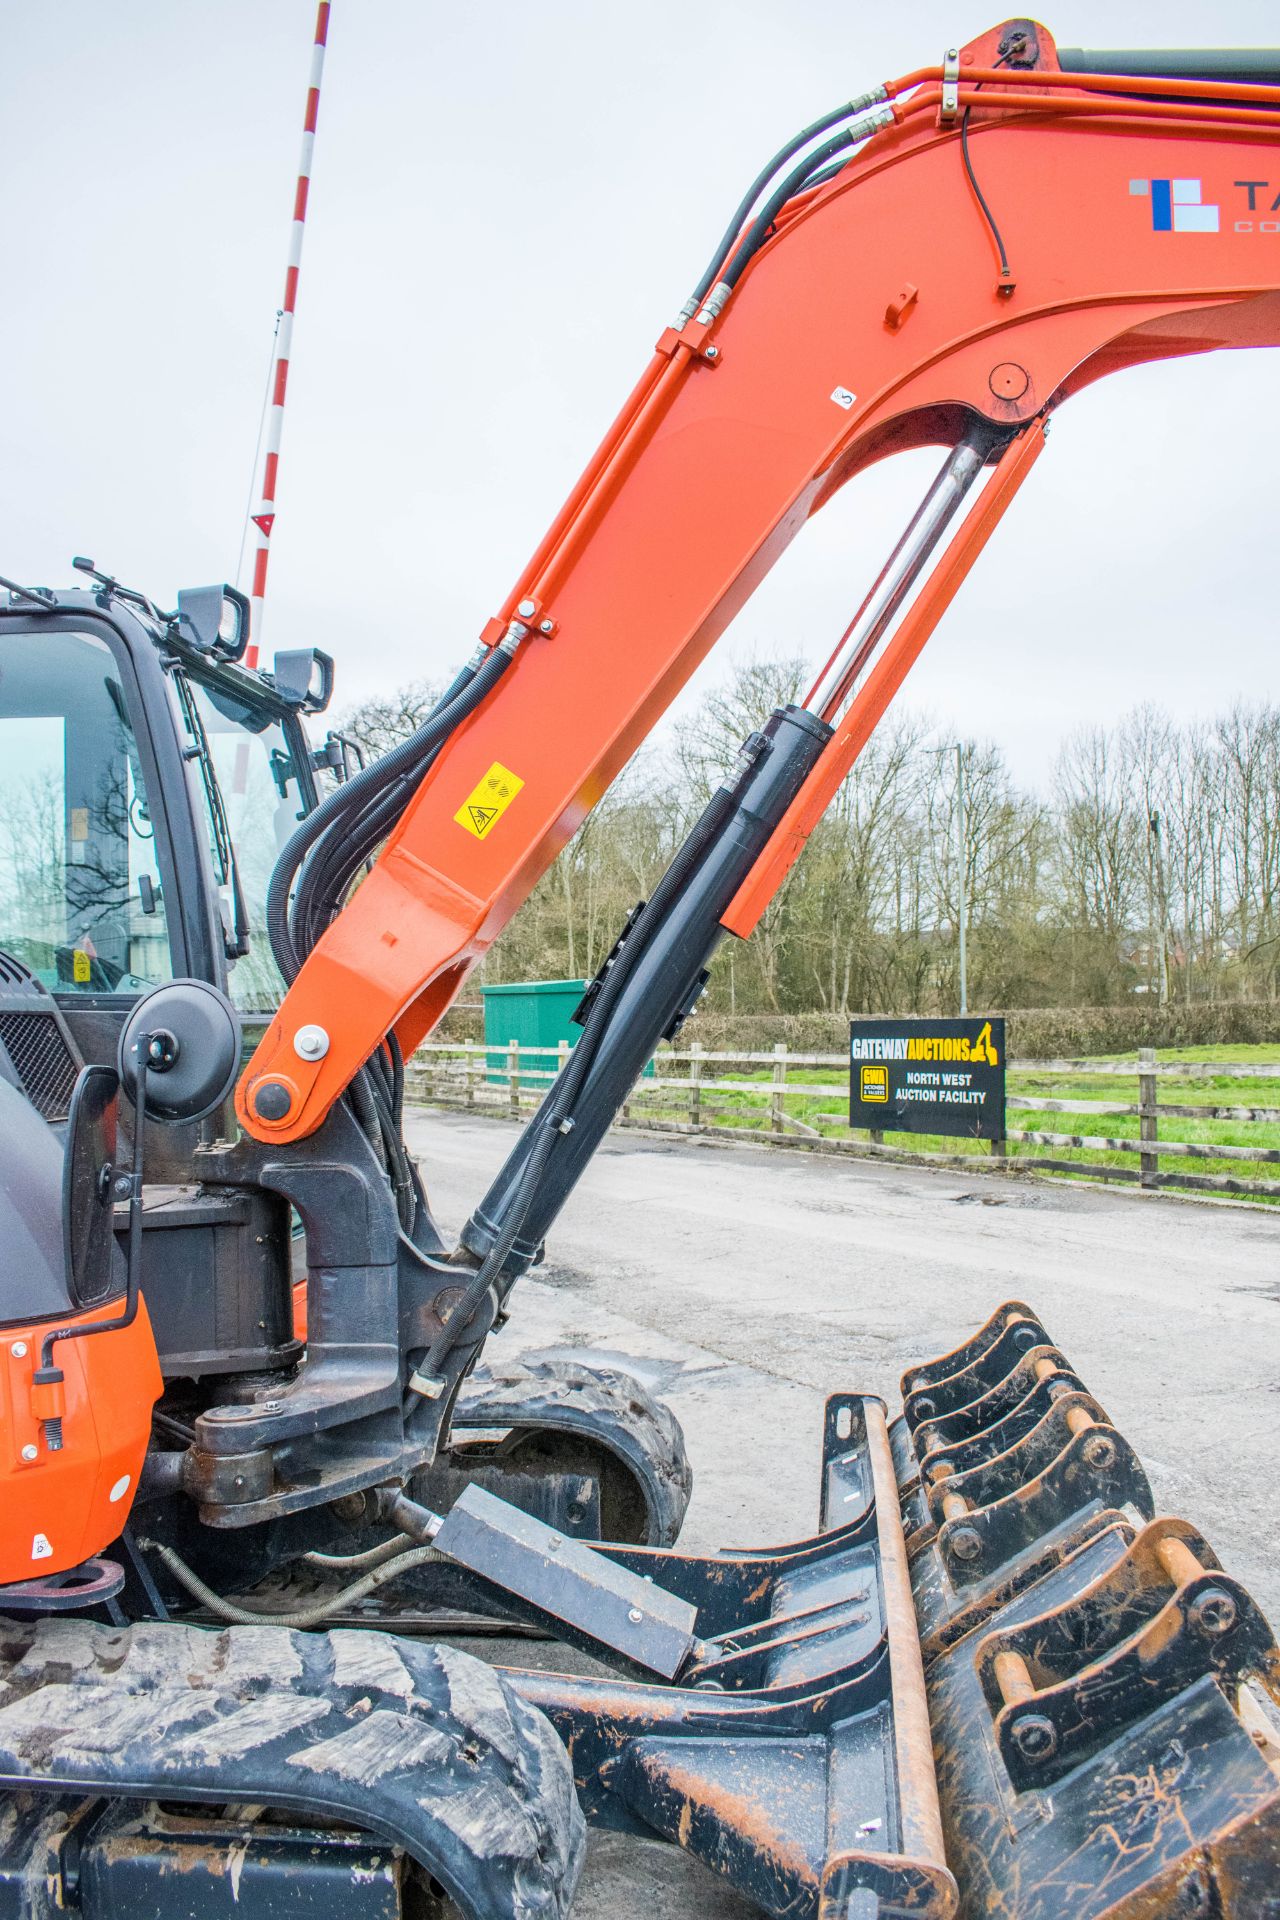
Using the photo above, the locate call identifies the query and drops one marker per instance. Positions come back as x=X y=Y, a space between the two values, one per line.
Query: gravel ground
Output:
x=744 y=1284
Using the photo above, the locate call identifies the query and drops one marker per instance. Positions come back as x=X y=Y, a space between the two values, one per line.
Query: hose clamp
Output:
x=950 y=86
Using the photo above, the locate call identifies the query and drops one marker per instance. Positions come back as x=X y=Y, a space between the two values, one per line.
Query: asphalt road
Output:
x=743 y=1284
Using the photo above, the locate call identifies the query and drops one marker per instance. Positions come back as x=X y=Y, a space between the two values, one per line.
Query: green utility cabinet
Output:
x=535 y=1013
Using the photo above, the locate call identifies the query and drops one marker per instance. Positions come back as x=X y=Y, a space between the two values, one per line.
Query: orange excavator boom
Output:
x=1005 y=233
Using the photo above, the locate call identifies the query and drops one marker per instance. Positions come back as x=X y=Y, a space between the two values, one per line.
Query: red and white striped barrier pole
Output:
x=264 y=518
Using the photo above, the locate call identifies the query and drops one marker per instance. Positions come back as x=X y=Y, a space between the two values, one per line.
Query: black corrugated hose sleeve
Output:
x=350 y=799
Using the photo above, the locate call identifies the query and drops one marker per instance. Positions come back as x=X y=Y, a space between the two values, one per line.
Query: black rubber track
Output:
x=418 y=1744
x=564 y=1409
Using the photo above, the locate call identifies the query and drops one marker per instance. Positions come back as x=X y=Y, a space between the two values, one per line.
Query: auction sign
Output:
x=928 y=1076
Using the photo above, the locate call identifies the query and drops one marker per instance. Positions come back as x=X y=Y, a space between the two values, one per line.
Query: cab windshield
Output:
x=258 y=793
x=81 y=900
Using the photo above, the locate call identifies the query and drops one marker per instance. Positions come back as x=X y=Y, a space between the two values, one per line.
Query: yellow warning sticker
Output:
x=486 y=804
x=81 y=971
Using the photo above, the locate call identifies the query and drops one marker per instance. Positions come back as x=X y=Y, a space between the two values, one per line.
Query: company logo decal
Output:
x=927 y=1046
x=1177 y=206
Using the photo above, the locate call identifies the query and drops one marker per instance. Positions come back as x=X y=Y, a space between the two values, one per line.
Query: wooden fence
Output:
x=787 y=1097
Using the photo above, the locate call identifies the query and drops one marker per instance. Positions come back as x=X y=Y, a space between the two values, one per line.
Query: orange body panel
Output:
x=60 y=1508
x=715 y=464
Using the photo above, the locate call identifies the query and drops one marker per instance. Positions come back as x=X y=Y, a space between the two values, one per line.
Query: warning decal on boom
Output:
x=487 y=802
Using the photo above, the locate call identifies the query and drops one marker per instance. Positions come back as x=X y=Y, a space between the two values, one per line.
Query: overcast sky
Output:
x=508 y=203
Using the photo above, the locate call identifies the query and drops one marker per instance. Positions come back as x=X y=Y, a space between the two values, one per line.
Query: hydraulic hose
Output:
x=358 y=1562
x=846 y=111
x=796 y=181
x=312 y=1616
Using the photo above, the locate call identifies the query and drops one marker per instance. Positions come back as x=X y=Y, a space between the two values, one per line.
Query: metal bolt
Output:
x=635 y=1616
x=527 y=609
x=926 y=1408
x=553 y=1541
x=1099 y=1452
x=30 y=1453
x=311 y=1043
x=271 y=1406
x=713 y=353
x=19 y=1349
x=1025 y=1337
x=1035 y=1737
x=546 y=626
x=965 y=1543
x=1214 y=1613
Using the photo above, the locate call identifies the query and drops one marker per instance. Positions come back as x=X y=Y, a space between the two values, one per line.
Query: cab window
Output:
x=81 y=898
x=258 y=791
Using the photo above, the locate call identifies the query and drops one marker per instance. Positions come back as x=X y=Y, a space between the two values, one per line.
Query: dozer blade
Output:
x=987 y=1596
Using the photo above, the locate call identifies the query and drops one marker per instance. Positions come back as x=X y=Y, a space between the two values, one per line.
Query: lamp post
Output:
x=962 y=831
x=964 y=854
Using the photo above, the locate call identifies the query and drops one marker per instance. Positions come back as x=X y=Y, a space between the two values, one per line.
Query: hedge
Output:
x=1034 y=1033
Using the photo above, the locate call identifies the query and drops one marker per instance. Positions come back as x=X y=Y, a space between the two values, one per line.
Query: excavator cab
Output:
x=147 y=780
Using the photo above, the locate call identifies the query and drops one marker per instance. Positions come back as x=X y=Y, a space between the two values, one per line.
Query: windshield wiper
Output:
x=235 y=944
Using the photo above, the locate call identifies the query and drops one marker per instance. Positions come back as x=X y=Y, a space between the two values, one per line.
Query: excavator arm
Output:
x=1006 y=229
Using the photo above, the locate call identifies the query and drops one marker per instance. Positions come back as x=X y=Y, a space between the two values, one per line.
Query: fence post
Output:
x=469 y=1072
x=779 y=1082
x=513 y=1076
x=1148 y=1125
x=695 y=1084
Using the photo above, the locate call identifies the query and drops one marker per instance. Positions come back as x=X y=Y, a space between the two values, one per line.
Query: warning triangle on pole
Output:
x=264 y=523
x=482 y=816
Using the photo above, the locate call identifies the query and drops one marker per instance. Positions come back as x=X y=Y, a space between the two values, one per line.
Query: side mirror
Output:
x=88 y=1187
x=215 y=620
x=304 y=677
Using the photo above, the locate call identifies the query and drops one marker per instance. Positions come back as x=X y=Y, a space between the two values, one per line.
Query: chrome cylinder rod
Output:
x=896 y=579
